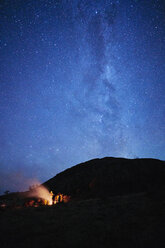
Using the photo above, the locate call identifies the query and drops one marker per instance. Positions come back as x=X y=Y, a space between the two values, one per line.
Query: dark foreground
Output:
x=127 y=221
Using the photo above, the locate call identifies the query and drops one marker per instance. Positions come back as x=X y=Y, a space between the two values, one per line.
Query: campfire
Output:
x=44 y=197
x=40 y=192
x=35 y=197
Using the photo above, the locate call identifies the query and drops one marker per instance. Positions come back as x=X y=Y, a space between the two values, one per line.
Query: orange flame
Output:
x=43 y=193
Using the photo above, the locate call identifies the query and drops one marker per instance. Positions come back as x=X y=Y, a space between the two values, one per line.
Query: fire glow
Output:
x=41 y=192
x=37 y=196
x=46 y=197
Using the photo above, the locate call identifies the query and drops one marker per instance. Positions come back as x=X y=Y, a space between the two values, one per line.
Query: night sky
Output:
x=79 y=80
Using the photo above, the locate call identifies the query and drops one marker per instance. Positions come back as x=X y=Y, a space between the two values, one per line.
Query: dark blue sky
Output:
x=79 y=80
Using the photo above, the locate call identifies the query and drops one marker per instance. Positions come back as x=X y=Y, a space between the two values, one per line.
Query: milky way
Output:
x=79 y=80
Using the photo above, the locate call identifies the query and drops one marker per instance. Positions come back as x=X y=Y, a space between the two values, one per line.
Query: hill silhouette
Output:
x=115 y=202
x=109 y=177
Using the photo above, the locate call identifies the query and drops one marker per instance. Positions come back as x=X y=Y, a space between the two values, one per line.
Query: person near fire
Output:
x=51 y=195
x=59 y=198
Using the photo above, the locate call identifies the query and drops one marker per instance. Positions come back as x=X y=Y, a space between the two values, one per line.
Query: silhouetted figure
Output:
x=53 y=198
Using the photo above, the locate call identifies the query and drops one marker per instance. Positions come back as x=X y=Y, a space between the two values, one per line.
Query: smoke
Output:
x=41 y=192
x=19 y=178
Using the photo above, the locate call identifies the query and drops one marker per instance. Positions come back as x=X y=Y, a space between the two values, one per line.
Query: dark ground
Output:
x=133 y=221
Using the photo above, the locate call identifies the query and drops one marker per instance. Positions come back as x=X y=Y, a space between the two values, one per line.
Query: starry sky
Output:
x=79 y=80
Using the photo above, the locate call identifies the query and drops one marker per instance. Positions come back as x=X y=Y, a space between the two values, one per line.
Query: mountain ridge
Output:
x=110 y=176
